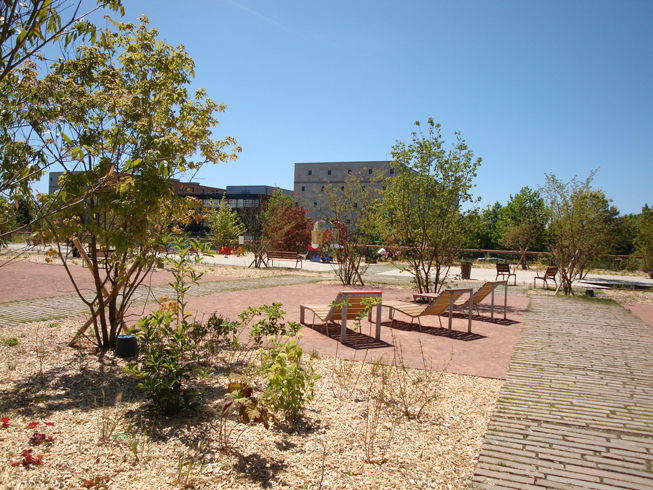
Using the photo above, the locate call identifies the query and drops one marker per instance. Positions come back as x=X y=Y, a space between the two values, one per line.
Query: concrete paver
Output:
x=577 y=408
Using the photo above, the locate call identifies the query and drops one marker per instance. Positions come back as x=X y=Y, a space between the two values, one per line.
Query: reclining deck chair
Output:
x=328 y=313
x=437 y=306
x=481 y=294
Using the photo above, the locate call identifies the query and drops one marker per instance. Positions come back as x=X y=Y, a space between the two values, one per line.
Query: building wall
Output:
x=310 y=179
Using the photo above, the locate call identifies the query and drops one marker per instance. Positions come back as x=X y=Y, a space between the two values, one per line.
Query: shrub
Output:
x=169 y=357
x=11 y=342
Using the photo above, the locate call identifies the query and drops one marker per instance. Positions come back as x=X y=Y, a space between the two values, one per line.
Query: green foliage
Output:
x=11 y=342
x=421 y=206
x=169 y=358
x=580 y=226
x=27 y=27
x=269 y=323
x=225 y=225
x=289 y=381
x=645 y=239
x=127 y=124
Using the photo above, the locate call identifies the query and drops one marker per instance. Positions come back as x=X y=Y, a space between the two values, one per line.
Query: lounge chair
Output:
x=550 y=274
x=328 y=313
x=437 y=306
x=504 y=270
x=483 y=293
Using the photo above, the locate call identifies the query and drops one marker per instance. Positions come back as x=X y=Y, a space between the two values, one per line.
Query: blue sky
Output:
x=560 y=87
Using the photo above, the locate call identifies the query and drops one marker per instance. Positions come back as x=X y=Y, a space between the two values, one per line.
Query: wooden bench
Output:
x=550 y=274
x=504 y=270
x=277 y=255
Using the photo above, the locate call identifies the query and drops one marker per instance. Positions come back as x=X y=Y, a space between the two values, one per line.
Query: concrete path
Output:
x=577 y=408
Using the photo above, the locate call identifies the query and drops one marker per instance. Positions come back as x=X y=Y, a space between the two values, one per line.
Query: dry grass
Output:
x=103 y=436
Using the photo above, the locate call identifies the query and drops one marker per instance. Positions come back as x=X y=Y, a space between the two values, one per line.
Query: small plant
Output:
x=109 y=424
x=137 y=437
x=240 y=404
x=53 y=325
x=169 y=358
x=289 y=381
x=11 y=342
x=189 y=465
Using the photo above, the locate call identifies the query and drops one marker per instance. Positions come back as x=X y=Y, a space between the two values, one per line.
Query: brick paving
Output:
x=42 y=309
x=577 y=407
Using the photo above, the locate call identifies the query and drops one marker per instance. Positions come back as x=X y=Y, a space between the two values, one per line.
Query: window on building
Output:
x=392 y=171
x=355 y=204
x=310 y=172
x=329 y=172
x=369 y=171
x=349 y=172
x=342 y=188
x=315 y=204
x=303 y=188
x=322 y=189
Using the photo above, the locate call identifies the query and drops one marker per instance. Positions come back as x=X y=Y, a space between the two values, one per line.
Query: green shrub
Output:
x=11 y=342
x=289 y=381
x=169 y=357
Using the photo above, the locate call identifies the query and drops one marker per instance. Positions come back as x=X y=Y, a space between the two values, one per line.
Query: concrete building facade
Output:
x=311 y=178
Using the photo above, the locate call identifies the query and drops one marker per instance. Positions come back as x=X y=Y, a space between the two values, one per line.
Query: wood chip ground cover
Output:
x=103 y=437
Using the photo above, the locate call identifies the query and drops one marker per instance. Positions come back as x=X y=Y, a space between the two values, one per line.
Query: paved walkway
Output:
x=42 y=309
x=577 y=408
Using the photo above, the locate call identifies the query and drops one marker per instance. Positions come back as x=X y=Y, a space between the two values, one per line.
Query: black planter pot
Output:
x=126 y=346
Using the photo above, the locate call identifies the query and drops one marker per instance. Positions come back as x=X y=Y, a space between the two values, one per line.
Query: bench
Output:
x=550 y=274
x=504 y=270
x=276 y=255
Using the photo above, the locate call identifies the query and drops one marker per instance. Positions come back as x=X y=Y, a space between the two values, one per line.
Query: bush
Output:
x=169 y=357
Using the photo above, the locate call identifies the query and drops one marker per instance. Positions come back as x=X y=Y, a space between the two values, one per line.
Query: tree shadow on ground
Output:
x=69 y=386
x=258 y=469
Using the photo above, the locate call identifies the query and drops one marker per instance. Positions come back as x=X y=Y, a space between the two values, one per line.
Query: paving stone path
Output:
x=43 y=309
x=577 y=407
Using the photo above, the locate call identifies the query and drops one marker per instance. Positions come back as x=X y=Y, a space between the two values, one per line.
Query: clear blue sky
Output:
x=534 y=87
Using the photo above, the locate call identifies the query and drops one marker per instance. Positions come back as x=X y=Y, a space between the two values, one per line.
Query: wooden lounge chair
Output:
x=504 y=270
x=438 y=305
x=328 y=313
x=482 y=293
x=550 y=274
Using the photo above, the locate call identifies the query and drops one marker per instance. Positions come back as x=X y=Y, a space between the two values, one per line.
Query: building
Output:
x=311 y=178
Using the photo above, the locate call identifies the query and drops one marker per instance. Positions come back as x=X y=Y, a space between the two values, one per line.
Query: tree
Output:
x=25 y=28
x=645 y=239
x=522 y=222
x=127 y=125
x=224 y=225
x=580 y=225
x=422 y=203
x=285 y=225
x=349 y=208
x=281 y=225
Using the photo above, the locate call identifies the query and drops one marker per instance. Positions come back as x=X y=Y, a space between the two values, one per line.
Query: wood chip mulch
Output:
x=71 y=419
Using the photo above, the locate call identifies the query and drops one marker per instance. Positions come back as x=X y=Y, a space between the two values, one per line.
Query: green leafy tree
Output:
x=522 y=223
x=422 y=203
x=28 y=102
x=225 y=225
x=645 y=239
x=352 y=209
x=580 y=226
x=485 y=234
x=127 y=125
